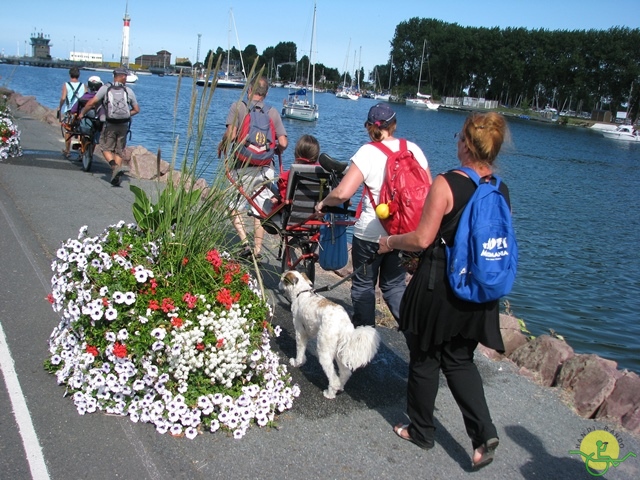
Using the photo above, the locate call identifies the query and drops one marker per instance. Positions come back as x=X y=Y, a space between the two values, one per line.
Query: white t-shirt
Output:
x=371 y=162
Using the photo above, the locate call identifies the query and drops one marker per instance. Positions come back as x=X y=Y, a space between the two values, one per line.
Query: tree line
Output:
x=578 y=70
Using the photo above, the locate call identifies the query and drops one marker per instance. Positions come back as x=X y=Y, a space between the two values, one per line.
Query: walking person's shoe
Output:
x=116 y=174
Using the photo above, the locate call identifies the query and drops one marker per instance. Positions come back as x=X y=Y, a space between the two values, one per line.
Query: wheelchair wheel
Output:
x=299 y=256
x=87 y=154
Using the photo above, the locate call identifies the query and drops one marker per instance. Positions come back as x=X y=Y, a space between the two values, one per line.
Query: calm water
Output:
x=574 y=196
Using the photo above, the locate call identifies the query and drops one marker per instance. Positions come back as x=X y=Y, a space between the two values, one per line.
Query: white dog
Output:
x=315 y=316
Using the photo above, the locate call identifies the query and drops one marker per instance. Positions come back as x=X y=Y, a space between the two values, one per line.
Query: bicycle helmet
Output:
x=94 y=83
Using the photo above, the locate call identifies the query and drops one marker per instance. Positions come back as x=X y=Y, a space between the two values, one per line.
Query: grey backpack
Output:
x=116 y=104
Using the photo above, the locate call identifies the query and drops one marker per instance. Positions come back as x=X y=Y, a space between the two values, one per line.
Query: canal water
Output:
x=574 y=197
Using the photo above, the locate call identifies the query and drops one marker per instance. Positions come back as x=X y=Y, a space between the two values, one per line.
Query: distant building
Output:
x=85 y=57
x=161 y=59
x=40 y=46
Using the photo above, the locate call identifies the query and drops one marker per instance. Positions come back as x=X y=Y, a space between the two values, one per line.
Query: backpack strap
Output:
x=386 y=150
x=74 y=91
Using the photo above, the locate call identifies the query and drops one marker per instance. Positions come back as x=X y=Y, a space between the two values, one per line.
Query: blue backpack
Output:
x=483 y=260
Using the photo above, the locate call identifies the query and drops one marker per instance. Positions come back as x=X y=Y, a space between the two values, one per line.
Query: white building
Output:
x=85 y=57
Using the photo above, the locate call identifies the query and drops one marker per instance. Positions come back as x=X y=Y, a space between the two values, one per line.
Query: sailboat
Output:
x=227 y=80
x=296 y=105
x=386 y=97
x=346 y=92
x=422 y=100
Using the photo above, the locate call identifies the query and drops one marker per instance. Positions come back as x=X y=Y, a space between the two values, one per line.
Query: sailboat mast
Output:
x=390 y=72
x=244 y=73
x=312 y=58
x=421 y=62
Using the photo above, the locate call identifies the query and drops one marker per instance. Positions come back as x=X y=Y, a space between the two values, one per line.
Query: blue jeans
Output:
x=386 y=270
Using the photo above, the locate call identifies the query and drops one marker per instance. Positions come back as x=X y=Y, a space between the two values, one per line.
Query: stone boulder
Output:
x=544 y=356
x=589 y=380
x=144 y=164
x=511 y=332
x=623 y=405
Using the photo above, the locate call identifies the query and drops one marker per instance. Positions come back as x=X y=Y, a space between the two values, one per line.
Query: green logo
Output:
x=600 y=449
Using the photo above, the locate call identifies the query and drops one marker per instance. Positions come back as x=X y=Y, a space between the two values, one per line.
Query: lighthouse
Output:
x=124 y=58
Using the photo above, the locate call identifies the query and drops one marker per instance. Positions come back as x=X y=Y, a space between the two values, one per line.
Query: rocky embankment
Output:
x=594 y=386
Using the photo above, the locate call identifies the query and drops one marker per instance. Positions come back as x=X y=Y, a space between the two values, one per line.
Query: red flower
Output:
x=185 y=260
x=93 y=350
x=105 y=301
x=154 y=305
x=224 y=297
x=176 y=322
x=123 y=253
x=228 y=278
x=220 y=343
x=213 y=257
x=245 y=278
x=200 y=346
x=233 y=268
x=50 y=298
x=190 y=300
x=119 y=350
x=167 y=305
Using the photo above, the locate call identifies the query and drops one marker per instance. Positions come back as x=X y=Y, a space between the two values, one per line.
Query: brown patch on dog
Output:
x=324 y=302
x=290 y=278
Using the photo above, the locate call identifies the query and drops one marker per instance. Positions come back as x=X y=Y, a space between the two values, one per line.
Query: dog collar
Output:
x=304 y=291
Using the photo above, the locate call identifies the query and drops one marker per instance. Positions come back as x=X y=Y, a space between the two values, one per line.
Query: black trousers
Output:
x=455 y=359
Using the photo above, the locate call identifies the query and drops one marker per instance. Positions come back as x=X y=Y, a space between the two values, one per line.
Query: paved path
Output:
x=45 y=199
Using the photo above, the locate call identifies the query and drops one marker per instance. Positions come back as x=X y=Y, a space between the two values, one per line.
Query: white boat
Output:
x=421 y=100
x=227 y=80
x=386 y=97
x=625 y=133
x=345 y=92
x=296 y=105
x=132 y=77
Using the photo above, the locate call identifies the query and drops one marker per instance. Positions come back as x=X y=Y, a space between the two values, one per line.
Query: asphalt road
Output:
x=45 y=199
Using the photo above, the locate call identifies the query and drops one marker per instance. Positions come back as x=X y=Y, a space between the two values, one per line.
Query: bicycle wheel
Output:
x=299 y=256
x=87 y=154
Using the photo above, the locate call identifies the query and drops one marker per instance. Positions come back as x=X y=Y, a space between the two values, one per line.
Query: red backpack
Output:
x=258 y=138
x=404 y=188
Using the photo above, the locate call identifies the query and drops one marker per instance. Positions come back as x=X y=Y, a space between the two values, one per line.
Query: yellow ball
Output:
x=382 y=211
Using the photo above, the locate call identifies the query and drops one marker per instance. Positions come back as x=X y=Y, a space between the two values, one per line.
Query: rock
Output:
x=143 y=163
x=543 y=355
x=589 y=379
x=623 y=405
x=512 y=335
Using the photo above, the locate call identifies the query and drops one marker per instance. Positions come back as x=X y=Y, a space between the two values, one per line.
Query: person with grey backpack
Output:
x=119 y=105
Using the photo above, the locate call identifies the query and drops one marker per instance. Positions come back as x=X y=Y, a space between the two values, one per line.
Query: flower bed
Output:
x=9 y=133
x=186 y=349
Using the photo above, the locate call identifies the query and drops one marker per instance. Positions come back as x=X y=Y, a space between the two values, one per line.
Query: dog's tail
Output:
x=359 y=347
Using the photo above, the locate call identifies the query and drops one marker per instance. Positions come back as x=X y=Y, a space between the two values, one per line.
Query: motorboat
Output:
x=625 y=133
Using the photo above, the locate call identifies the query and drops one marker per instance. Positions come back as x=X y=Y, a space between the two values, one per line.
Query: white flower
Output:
x=118 y=297
x=159 y=333
x=191 y=433
x=129 y=298
x=111 y=314
x=123 y=334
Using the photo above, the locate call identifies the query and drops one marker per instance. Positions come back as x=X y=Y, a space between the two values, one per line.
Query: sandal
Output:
x=66 y=154
x=400 y=428
x=488 y=452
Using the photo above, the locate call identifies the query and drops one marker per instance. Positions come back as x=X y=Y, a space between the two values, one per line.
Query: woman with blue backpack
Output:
x=447 y=309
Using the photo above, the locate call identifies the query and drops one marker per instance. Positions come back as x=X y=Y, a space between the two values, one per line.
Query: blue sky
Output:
x=366 y=26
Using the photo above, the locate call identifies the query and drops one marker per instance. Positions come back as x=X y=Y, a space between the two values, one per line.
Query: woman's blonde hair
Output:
x=483 y=134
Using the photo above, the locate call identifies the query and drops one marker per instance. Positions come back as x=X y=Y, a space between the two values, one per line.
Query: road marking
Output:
x=30 y=440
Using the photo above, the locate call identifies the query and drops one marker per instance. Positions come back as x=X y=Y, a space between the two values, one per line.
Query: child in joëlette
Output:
x=307 y=151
